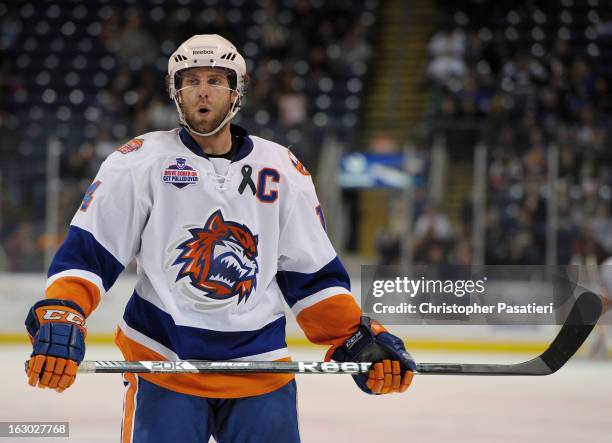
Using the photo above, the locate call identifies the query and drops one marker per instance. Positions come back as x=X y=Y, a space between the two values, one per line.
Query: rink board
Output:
x=19 y=291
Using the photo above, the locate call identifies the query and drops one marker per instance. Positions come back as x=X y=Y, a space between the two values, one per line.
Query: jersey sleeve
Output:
x=311 y=277
x=102 y=239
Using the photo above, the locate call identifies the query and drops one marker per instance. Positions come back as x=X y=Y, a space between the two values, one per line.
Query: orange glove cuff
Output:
x=55 y=314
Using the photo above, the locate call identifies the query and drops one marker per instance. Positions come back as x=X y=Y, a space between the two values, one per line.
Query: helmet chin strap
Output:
x=233 y=110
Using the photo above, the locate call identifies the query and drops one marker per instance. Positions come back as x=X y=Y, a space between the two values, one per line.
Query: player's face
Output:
x=206 y=98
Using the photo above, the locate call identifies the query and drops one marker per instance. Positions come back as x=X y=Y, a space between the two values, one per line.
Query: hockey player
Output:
x=224 y=226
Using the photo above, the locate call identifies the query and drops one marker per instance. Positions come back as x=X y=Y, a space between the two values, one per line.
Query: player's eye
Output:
x=192 y=81
x=215 y=81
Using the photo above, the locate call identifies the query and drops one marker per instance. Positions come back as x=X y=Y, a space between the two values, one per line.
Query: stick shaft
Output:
x=199 y=366
x=297 y=367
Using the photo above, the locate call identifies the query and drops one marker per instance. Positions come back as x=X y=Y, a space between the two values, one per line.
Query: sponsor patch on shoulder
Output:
x=131 y=146
x=298 y=164
x=180 y=174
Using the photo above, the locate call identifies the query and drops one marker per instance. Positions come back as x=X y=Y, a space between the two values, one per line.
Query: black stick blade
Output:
x=577 y=327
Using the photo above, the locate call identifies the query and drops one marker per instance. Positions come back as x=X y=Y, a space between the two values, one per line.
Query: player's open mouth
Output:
x=203 y=111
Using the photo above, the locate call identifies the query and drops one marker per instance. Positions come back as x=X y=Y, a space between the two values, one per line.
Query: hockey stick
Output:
x=573 y=333
x=578 y=325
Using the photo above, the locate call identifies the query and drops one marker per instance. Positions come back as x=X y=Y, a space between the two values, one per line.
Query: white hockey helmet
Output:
x=207 y=51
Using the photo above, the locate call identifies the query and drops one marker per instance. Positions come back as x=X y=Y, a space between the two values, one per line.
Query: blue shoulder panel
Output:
x=81 y=250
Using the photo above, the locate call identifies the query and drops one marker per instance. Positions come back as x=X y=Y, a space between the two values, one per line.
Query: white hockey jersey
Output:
x=220 y=247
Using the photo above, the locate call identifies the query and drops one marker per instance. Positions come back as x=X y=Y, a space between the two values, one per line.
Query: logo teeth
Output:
x=221 y=278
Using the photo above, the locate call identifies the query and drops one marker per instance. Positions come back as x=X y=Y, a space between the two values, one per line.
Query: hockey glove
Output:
x=393 y=367
x=57 y=332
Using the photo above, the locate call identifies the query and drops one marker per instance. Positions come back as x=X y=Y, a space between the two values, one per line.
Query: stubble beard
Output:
x=205 y=127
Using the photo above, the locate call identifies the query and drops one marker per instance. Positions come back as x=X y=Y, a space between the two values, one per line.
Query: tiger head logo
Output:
x=220 y=259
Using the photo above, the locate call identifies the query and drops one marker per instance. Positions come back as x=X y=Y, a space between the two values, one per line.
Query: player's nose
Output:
x=204 y=89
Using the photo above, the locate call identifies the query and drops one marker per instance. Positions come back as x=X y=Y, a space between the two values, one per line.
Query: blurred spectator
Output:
x=384 y=143
x=432 y=225
x=432 y=236
x=10 y=30
x=446 y=67
x=161 y=114
x=448 y=43
x=291 y=104
x=388 y=247
x=104 y=144
x=601 y=226
x=133 y=44
x=433 y=253
x=355 y=47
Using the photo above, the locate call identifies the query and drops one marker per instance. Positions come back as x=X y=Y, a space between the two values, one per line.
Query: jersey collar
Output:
x=239 y=136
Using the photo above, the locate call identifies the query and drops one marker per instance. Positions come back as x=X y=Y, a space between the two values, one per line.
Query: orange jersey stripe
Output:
x=203 y=385
x=129 y=408
x=76 y=289
x=330 y=321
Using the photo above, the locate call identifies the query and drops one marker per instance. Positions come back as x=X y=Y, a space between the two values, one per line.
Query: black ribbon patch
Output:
x=246 y=179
